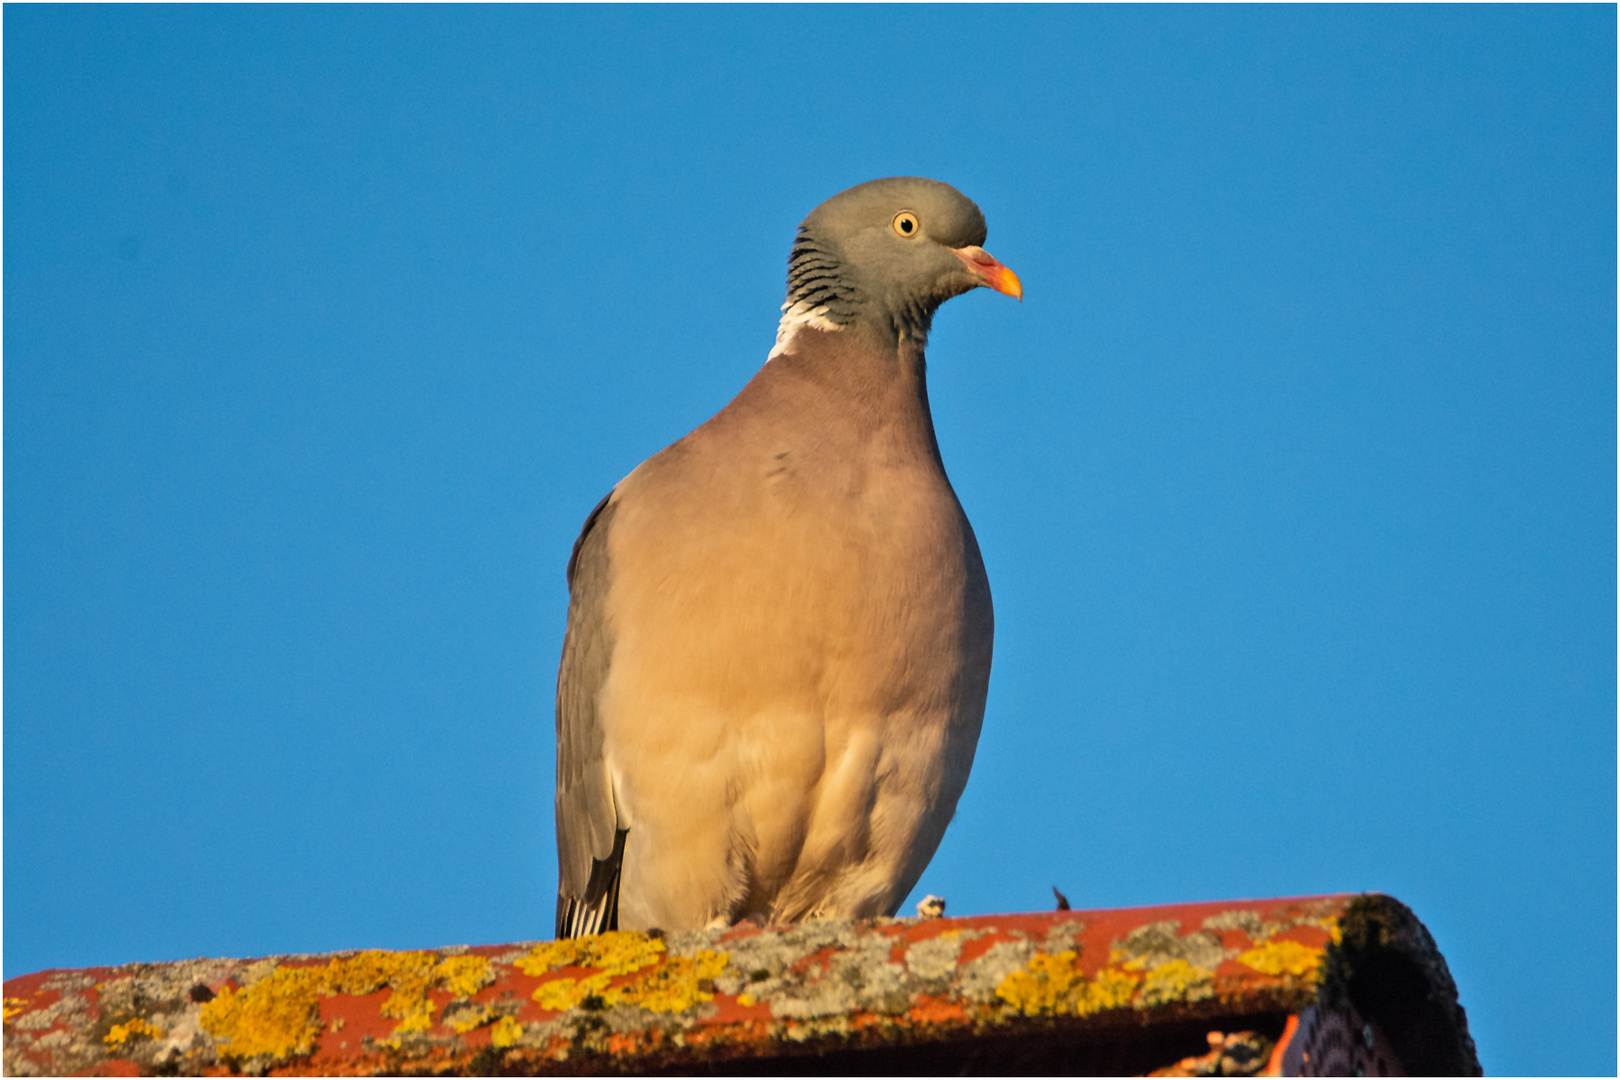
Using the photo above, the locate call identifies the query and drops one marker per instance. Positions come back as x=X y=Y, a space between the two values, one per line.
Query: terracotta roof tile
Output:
x=1318 y=985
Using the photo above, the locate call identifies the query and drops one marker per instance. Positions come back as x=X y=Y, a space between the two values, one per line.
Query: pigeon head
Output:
x=882 y=256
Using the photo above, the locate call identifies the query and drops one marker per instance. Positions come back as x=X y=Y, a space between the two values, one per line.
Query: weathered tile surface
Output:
x=1097 y=986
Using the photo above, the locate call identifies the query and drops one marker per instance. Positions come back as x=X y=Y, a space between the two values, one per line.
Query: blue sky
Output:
x=1294 y=473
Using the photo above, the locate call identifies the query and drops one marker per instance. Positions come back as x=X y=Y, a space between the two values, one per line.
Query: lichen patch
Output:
x=1279 y=956
x=617 y=952
x=278 y=1015
x=136 y=1028
x=1176 y=980
x=1054 y=985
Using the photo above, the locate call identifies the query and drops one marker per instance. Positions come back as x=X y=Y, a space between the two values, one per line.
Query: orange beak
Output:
x=982 y=265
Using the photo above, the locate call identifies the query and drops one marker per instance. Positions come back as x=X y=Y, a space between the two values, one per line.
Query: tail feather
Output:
x=598 y=910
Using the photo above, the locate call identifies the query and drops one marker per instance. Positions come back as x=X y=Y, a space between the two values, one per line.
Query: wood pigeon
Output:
x=779 y=627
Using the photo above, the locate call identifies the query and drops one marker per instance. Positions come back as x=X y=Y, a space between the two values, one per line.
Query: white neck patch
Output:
x=795 y=316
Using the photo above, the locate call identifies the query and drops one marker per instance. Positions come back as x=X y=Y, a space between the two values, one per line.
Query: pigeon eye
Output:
x=906 y=224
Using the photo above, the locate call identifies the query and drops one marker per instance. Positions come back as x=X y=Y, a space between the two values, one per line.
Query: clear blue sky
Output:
x=1294 y=473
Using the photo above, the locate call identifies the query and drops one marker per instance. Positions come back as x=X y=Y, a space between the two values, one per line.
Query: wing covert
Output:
x=590 y=844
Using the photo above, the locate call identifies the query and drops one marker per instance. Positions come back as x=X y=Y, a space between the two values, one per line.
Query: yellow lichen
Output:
x=370 y=971
x=1283 y=958
x=467 y=1018
x=679 y=983
x=1177 y=980
x=279 y=1014
x=136 y=1027
x=1054 y=985
x=549 y=955
x=616 y=952
x=1045 y=984
x=464 y=976
x=747 y=1000
x=13 y=1006
x=560 y=994
x=414 y=1014
x=505 y=1032
x=1111 y=989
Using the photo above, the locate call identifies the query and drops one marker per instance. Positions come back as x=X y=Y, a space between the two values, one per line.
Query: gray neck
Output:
x=823 y=293
x=817 y=281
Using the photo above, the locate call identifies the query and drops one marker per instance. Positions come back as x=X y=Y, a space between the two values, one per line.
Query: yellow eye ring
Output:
x=907 y=225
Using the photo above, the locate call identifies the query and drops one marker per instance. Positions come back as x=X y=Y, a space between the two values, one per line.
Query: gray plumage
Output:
x=779 y=627
x=587 y=899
